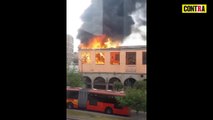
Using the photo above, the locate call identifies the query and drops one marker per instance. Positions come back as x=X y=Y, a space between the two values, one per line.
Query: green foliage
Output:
x=74 y=79
x=135 y=97
x=117 y=86
x=141 y=84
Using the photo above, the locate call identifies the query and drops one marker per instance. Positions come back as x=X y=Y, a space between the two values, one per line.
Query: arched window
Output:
x=99 y=83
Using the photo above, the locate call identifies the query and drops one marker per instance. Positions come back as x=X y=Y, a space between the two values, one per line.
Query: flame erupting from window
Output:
x=100 y=42
x=114 y=58
x=99 y=58
x=85 y=57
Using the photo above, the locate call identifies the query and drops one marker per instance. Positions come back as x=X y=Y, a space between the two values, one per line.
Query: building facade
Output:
x=69 y=49
x=102 y=67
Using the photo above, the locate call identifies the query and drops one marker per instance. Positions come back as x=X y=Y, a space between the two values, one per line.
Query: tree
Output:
x=74 y=78
x=117 y=86
x=135 y=97
x=141 y=84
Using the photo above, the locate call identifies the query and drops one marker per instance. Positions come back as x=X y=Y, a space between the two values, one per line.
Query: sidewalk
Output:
x=139 y=116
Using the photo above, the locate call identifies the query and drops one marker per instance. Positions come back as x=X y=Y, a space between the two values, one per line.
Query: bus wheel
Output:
x=69 y=105
x=108 y=110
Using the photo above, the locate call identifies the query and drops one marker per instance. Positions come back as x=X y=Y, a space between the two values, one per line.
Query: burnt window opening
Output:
x=144 y=58
x=130 y=58
x=100 y=58
x=85 y=58
x=115 y=58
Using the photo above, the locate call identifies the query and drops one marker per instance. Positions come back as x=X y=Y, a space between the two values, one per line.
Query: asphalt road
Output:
x=134 y=116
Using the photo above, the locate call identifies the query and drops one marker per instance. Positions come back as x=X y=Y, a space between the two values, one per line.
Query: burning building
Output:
x=102 y=62
x=106 y=25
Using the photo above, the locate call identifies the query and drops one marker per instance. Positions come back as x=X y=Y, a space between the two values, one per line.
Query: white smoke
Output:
x=138 y=31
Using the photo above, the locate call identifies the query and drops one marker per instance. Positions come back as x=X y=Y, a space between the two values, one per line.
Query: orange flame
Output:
x=100 y=58
x=100 y=42
x=85 y=57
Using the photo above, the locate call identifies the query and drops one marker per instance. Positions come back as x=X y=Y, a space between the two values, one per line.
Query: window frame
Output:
x=144 y=54
x=128 y=57
x=115 y=53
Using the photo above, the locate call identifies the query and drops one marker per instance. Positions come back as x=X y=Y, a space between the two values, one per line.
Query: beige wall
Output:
x=107 y=67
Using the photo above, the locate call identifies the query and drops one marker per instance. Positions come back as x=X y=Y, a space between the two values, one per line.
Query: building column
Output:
x=107 y=84
x=92 y=84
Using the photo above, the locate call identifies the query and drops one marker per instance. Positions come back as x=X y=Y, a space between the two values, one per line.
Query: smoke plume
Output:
x=115 y=18
x=138 y=33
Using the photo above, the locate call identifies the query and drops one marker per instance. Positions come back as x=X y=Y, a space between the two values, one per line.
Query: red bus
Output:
x=96 y=100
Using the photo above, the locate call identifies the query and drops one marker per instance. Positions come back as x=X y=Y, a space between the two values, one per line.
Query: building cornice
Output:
x=138 y=47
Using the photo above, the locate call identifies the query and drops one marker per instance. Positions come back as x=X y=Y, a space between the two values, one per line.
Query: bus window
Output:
x=118 y=105
x=101 y=98
x=72 y=94
x=92 y=99
x=111 y=99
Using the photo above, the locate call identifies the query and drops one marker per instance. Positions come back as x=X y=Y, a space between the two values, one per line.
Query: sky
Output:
x=75 y=9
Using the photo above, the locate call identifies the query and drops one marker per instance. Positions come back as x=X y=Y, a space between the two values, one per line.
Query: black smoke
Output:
x=110 y=17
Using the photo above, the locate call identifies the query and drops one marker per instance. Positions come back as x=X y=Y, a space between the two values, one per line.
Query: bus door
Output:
x=82 y=99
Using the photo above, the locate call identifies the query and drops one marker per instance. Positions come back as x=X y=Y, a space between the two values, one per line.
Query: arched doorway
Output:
x=99 y=83
x=111 y=82
x=87 y=81
x=129 y=82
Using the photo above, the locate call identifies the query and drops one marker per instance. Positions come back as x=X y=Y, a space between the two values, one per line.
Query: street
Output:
x=89 y=115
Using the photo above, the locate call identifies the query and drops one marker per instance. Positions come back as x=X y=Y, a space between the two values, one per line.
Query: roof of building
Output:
x=120 y=48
